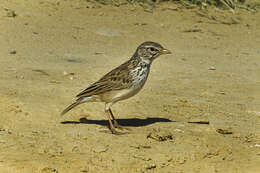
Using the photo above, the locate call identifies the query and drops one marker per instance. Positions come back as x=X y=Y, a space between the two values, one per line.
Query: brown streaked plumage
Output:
x=121 y=83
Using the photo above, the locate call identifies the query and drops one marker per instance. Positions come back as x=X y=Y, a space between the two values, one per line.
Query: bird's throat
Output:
x=146 y=60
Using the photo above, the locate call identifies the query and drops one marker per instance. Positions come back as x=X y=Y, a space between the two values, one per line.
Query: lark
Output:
x=122 y=82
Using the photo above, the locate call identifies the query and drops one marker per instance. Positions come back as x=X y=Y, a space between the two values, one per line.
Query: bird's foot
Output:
x=115 y=132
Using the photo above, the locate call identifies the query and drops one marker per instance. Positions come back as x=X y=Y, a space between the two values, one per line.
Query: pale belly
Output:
x=117 y=95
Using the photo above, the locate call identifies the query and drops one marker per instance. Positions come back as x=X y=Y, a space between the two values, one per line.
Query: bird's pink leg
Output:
x=111 y=126
x=116 y=125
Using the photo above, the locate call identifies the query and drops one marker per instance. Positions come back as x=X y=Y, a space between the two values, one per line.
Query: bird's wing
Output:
x=117 y=79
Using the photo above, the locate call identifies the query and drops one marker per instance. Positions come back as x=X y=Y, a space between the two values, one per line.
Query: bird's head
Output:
x=148 y=51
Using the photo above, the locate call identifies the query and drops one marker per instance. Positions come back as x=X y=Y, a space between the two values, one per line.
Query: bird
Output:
x=122 y=82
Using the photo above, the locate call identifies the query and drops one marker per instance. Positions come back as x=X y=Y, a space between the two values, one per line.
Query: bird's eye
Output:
x=152 y=49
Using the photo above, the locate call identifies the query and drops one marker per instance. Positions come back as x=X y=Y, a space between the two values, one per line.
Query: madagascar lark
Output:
x=122 y=82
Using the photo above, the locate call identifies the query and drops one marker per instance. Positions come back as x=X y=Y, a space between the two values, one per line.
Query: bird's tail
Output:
x=76 y=103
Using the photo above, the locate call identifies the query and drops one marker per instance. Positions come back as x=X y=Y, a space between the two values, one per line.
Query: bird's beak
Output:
x=165 y=51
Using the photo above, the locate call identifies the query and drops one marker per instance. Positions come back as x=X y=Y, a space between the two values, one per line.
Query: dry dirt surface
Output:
x=199 y=111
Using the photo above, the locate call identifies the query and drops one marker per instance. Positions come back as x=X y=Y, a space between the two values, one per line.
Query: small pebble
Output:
x=11 y=13
x=13 y=52
x=49 y=170
x=150 y=166
x=98 y=53
x=54 y=81
x=212 y=68
x=170 y=8
x=224 y=131
x=101 y=14
x=65 y=73
x=140 y=24
x=68 y=74
x=100 y=149
x=192 y=30
x=178 y=130
x=257 y=145
x=160 y=136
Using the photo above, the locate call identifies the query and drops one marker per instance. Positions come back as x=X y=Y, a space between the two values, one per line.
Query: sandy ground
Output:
x=51 y=50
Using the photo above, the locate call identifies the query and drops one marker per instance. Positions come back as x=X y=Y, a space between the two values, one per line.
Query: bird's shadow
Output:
x=134 y=122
